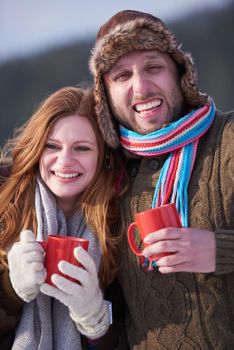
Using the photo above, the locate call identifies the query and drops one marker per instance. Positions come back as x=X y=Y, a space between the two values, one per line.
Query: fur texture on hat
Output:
x=129 y=31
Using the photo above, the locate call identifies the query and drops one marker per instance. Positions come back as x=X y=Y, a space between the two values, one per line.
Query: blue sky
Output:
x=28 y=26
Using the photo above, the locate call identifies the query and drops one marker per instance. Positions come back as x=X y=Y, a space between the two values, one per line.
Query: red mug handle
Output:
x=131 y=239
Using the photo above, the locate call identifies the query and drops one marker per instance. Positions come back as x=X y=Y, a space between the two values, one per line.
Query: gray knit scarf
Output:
x=45 y=323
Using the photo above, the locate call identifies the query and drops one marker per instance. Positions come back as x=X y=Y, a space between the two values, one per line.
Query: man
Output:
x=178 y=149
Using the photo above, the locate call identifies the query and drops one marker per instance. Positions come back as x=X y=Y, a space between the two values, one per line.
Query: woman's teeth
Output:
x=66 y=176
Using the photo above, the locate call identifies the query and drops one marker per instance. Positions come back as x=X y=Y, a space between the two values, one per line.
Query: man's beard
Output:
x=177 y=110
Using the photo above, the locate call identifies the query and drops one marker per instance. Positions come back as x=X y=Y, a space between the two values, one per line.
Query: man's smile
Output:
x=146 y=106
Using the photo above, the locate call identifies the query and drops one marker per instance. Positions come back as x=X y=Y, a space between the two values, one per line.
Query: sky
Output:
x=28 y=26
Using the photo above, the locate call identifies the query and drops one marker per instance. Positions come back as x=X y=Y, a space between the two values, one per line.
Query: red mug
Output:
x=152 y=220
x=59 y=248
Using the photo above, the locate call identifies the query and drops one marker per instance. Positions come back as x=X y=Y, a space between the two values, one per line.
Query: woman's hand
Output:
x=26 y=266
x=84 y=299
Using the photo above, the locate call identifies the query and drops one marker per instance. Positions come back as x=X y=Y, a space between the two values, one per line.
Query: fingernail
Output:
x=147 y=239
x=143 y=253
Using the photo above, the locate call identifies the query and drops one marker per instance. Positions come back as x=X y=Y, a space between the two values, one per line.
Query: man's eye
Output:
x=51 y=146
x=122 y=76
x=154 y=68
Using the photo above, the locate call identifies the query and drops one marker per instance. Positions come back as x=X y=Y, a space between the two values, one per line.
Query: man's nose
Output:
x=140 y=84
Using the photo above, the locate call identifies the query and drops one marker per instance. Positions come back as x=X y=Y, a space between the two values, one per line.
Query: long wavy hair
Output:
x=98 y=202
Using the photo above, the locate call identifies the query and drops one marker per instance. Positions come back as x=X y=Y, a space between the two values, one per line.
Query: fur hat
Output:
x=129 y=31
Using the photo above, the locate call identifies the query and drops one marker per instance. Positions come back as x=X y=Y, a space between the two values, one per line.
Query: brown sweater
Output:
x=10 y=303
x=185 y=310
x=10 y=310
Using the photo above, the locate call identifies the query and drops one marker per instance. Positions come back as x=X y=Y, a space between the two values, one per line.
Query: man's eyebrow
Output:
x=151 y=56
x=117 y=67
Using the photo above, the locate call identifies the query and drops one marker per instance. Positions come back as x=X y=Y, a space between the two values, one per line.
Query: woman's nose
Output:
x=65 y=158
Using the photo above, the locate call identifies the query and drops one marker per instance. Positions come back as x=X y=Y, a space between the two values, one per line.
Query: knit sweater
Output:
x=10 y=303
x=10 y=310
x=184 y=310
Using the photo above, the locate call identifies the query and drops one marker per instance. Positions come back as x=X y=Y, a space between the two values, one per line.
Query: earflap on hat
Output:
x=104 y=115
x=188 y=81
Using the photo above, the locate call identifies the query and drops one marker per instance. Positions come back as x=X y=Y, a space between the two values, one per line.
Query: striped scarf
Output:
x=180 y=140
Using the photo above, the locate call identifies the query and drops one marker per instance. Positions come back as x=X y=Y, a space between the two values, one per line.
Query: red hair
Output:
x=98 y=202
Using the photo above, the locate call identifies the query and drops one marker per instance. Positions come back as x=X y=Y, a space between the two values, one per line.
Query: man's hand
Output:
x=191 y=250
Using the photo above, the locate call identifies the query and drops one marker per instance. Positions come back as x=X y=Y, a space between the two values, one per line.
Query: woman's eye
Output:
x=82 y=148
x=51 y=146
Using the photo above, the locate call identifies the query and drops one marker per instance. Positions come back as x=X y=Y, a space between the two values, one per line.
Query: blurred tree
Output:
x=209 y=36
x=26 y=82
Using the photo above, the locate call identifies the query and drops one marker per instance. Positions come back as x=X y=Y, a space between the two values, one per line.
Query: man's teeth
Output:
x=149 y=105
x=66 y=176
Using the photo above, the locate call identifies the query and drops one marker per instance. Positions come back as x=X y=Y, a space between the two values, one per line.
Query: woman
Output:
x=62 y=173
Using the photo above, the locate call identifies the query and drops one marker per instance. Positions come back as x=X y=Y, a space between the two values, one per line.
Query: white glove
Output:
x=26 y=266
x=85 y=302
